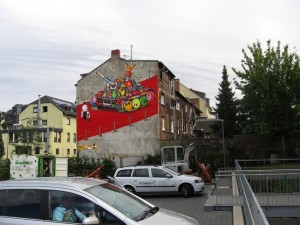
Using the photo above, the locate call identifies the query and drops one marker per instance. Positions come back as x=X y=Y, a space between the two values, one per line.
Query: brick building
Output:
x=131 y=108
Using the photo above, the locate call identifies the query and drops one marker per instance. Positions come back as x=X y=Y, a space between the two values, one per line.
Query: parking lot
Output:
x=193 y=207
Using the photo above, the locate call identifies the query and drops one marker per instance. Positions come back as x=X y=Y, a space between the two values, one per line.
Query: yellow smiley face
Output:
x=127 y=106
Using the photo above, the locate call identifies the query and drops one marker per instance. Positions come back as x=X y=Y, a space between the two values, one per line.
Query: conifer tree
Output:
x=226 y=107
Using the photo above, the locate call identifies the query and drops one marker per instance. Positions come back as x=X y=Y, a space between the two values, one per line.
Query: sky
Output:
x=46 y=44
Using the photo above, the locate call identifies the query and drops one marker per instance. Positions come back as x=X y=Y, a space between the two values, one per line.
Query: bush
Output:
x=4 y=169
x=84 y=165
x=153 y=159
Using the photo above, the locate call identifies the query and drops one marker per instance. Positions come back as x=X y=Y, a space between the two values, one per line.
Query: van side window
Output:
x=24 y=203
x=141 y=173
x=2 y=201
x=124 y=173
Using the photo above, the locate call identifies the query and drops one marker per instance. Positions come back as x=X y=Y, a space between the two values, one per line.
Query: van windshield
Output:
x=126 y=203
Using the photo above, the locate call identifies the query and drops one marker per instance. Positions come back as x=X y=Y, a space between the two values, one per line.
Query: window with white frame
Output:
x=172 y=127
x=162 y=98
x=177 y=105
x=163 y=124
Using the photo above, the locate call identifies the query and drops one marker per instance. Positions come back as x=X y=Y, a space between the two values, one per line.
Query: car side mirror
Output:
x=169 y=175
x=90 y=220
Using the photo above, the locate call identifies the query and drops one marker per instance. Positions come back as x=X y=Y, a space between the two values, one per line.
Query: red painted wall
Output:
x=102 y=120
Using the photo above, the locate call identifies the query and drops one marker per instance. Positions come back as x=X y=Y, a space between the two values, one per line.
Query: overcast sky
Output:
x=46 y=44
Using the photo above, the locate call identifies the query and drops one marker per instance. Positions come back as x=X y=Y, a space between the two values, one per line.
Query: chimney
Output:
x=115 y=53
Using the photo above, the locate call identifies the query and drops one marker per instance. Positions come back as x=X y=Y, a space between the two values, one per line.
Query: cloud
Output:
x=46 y=45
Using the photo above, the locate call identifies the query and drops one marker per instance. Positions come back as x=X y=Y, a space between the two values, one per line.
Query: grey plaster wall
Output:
x=128 y=144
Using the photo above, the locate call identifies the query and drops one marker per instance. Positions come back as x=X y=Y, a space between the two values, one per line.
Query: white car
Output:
x=59 y=200
x=157 y=179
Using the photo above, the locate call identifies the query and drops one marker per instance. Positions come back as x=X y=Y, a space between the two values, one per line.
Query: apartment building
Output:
x=52 y=120
x=131 y=108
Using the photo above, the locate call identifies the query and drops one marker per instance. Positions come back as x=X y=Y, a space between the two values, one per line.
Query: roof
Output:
x=68 y=108
x=75 y=183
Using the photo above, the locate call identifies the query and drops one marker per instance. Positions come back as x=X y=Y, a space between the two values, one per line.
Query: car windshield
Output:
x=126 y=203
x=172 y=171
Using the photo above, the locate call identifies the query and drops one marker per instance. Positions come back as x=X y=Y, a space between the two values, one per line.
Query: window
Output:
x=178 y=105
x=74 y=151
x=35 y=109
x=163 y=124
x=169 y=154
x=45 y=108
x=80 y=205
x=68 y=137
x=40 y=136
x=2 y=198
x=68 y=121
x=162 y=98
x=57 y=151
x=141 y=173
x=180 y=154
x=35 y=123
x=45 y=136
x=124 y=173
x=172 y=127
x=11 y=138
x=44 y=122
x=74 y=138
x=59 y=137
x=55 y=137
x=24 y=203
x=68 y=151
x=158 y=173
x=37 y=150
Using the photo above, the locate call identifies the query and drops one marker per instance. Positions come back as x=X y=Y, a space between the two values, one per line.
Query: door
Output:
x=141 y=180
x=164 y=181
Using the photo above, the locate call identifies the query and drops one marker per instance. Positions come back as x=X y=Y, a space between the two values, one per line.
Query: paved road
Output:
x=192 y=207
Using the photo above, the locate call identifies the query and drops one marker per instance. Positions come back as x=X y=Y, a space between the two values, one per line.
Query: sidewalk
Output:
x=193 y=207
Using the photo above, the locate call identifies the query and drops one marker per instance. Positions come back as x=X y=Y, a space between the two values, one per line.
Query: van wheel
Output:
x=130 y=189
x=186 y=190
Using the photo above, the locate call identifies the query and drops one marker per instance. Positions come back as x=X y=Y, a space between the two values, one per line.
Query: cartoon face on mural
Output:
x=123 y=94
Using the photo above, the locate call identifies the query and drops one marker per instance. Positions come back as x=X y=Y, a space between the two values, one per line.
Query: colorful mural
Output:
x=121 y=103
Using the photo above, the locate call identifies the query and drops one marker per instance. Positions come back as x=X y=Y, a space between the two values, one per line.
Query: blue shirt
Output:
x=59 y=214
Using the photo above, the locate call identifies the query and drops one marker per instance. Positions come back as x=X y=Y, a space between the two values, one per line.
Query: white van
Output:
x=74 y=200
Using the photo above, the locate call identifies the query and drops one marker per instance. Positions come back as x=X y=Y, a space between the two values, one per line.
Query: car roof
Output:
x=75 y=183
x=141 y=166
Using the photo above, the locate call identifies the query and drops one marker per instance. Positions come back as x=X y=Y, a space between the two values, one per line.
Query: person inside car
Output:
x=67 y=212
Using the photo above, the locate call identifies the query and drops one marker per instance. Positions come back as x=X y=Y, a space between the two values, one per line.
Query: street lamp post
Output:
x=223 y=139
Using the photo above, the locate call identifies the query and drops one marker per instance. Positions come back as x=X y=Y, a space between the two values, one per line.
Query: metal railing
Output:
x=253 y=212
x=258 y=187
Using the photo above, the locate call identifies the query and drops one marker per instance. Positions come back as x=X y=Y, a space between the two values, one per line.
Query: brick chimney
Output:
x=115 y=53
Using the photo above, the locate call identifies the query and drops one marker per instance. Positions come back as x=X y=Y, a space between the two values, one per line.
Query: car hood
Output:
x=164 y=216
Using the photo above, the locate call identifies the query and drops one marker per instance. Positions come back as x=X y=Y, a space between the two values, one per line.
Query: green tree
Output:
x=226 y=107
x=269 y=83
x=28 y=137
x=2 y=152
